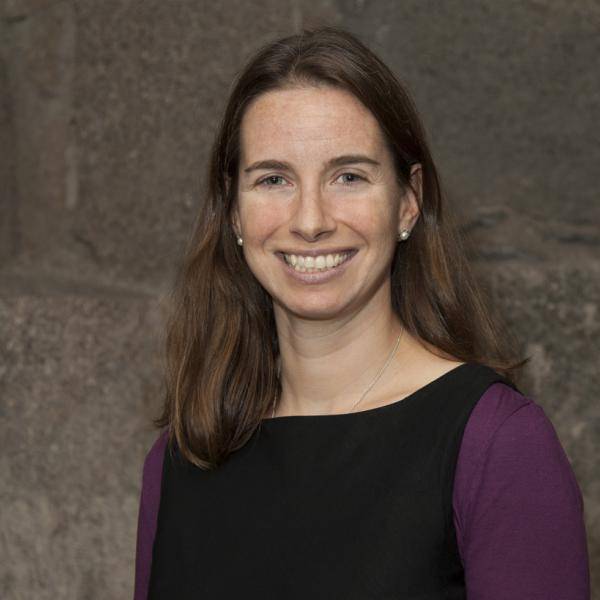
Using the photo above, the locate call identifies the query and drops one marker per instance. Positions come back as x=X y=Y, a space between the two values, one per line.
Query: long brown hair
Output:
x=221 y=340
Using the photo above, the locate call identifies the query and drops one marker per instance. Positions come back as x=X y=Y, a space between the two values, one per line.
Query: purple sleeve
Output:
x=148 y=514
x=518 y=509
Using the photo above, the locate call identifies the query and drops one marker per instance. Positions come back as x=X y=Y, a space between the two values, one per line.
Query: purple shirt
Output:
x=518 y=509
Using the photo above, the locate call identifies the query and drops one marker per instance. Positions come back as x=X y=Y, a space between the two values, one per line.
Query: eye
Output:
x=268 y=181
x=353 y=175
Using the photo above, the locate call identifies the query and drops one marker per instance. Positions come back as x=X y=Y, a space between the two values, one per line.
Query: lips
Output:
x=323 y=252
x=349 y=251
x=318 y=276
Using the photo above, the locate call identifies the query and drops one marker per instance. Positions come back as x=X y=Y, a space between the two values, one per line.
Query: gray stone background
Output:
x=107 y=112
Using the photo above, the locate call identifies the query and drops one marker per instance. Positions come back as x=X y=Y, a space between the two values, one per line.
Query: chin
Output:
x=316 y=308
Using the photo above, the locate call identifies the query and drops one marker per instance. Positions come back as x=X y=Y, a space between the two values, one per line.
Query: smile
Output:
x=316 y=269
x=312 y=264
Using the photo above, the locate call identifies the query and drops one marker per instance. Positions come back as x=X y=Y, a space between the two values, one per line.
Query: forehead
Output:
x=308 y=120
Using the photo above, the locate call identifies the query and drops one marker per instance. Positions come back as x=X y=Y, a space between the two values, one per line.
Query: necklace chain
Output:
x=387 y=362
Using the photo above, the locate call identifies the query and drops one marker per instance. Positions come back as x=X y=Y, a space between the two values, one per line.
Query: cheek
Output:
x=260 y=222
x=372 y=219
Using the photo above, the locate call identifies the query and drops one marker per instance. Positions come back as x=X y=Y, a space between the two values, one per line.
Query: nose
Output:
x=311 y=218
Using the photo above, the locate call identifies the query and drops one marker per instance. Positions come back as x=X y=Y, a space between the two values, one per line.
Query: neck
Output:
x=327 y=366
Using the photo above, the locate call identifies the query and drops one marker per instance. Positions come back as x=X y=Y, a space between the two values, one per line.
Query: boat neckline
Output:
x=375 y=410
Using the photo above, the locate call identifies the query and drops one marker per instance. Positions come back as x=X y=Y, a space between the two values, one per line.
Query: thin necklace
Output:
x=387 y=362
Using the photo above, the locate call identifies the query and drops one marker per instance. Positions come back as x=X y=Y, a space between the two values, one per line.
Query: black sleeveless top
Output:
x=349 y=506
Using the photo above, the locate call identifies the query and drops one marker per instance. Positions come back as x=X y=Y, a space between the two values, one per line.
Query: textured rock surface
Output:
x=107 y=111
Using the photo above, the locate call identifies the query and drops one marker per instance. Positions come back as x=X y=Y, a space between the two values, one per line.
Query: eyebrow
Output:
x=346 y=159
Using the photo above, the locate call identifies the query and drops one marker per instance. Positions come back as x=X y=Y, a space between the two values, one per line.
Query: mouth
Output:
x=317 y=269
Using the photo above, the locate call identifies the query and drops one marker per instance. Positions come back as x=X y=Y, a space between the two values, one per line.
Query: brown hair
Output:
x=221 y=343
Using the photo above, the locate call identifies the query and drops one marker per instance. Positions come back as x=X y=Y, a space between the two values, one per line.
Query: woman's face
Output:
x=298 y=195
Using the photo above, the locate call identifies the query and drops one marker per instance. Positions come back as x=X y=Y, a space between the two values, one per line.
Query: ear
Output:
x=410 y=204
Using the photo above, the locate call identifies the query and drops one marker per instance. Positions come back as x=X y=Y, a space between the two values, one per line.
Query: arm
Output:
x=147 y=516
x=518 y=507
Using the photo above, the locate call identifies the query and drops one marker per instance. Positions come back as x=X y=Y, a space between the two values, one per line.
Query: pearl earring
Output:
x=403 y=235
x=240 y=241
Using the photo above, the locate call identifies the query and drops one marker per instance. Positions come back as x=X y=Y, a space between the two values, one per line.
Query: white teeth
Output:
x=312 y=264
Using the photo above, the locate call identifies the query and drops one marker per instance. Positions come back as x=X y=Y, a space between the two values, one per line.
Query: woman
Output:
x=341 y=418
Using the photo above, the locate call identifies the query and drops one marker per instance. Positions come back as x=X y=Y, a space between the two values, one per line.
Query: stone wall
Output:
x=107 y=112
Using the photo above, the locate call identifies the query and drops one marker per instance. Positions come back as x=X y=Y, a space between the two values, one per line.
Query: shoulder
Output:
x=153 y=461
x=505 y=420
x=496 y=405
x=509 y=440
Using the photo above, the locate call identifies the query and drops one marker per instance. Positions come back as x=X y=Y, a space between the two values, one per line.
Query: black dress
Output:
x=349 y=506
